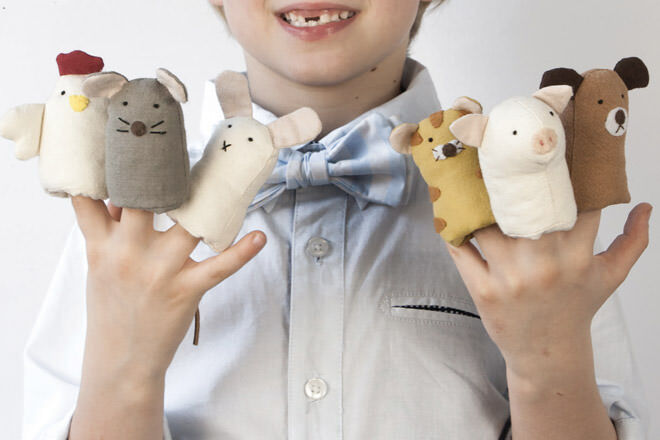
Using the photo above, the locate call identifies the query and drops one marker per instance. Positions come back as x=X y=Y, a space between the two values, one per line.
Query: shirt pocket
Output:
x=431 y=309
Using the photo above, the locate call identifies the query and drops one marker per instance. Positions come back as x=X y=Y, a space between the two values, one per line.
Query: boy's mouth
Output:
x=313 y=21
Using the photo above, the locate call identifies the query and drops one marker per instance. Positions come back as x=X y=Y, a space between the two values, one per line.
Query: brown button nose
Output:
x=138 y=128
x=620 y=117
x=449 y=150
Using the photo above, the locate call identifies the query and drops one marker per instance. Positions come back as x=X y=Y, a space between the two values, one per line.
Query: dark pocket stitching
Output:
x=440 y=309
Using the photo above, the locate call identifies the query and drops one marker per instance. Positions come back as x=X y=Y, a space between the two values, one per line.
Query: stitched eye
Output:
x=156 y=105
x=430 y=139
x=250 y=139
x=515 y=132
x=125 y=103
x=229 y=126
x=552 y=113
x=623 y=95
x=600 y=101
x=63 y=93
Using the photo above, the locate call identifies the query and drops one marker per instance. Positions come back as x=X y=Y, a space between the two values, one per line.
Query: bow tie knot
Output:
x=356 y=158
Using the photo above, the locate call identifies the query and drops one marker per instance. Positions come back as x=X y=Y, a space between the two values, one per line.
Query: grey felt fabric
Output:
x=147 y=165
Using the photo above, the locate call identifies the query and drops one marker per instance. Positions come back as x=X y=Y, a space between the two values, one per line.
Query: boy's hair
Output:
x=415 y=27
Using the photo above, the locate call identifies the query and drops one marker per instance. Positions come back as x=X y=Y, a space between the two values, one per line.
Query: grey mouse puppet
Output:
x=147 y=165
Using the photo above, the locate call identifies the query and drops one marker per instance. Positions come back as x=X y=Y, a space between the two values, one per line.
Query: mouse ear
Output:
x=172 y=84
x=104 y=84
x=234 y=94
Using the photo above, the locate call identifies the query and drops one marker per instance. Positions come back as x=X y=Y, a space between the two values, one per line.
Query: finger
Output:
x=92 y=216
x=137 y=221
x=626 y=249
x=493 y=243
x=179 y=240
x=469 y=262
x=115 y=212
x=206 y=274
x=586 y=228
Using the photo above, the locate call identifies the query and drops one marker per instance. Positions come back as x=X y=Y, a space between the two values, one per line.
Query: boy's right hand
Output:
x=143 y=289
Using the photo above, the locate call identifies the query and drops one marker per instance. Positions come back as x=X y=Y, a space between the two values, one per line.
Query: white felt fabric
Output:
x=530 y=192
x=23 y=125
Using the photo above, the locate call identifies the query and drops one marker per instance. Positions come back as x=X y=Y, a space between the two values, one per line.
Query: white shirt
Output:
x=303 y=347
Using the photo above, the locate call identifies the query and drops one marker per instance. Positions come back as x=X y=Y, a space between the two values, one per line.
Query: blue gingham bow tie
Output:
x=356 y=158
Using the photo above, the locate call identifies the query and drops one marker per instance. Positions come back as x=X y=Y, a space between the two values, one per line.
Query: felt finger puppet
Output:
x=238 y=159
x=147 y=165
x=596 y=122
x=67 y=132
x=521 y=151
x=451 y=171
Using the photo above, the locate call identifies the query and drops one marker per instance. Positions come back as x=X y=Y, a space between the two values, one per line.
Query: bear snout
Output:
x=544 y=141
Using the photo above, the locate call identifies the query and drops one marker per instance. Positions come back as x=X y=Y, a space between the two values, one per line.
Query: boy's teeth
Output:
x=326 y=17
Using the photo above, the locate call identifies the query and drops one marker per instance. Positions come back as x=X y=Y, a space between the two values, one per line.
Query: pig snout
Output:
x=544 y=141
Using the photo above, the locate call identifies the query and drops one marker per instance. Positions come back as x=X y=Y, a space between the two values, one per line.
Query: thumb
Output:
x=206 y=274
x=626 y=249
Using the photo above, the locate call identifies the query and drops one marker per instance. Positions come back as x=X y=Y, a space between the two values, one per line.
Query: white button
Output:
x=316 y=388
x=318 y=247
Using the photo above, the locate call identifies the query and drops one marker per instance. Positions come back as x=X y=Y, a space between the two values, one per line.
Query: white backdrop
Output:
x=486 y=49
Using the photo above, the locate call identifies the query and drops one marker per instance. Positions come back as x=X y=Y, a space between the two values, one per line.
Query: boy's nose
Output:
x=544 y=141
x=138 y=128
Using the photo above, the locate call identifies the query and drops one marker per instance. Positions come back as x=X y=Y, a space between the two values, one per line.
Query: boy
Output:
x=353 y=322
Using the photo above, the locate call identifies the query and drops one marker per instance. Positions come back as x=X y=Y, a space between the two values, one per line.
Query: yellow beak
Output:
x=78 y=102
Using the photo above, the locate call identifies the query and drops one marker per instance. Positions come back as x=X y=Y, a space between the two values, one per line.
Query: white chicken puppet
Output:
x=238 y=159
x=67 y=132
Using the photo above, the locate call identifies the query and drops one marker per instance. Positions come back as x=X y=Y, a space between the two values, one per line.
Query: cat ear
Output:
x=468 y=105
x=403 y=136
x=298 y=127
x=556 y=97
x=173 y=85
x=470 y=129
x=234 y=94
x=103 y=84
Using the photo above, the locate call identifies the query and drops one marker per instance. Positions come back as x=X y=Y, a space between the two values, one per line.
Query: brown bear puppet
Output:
x=596 y=122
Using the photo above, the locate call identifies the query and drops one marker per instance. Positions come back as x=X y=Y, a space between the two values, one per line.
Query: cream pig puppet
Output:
x=237 y=161
x=521 y=151
x=67 y=132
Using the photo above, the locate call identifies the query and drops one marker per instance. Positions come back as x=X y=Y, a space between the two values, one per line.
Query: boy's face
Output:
x=320 y=43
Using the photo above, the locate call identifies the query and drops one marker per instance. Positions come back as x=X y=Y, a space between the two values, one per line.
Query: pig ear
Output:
x=401 y=137
x=468 y=105
x=234 y=94
x=556 y=97
x=173 y=85
x=103 y=85
x=470 y=129
x=562 y=77
x=298 y=127
x=633 y=72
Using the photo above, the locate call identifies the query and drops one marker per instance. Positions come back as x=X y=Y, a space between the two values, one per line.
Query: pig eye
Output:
x=515 y=132
x=250 y=139
x=552 y=113
x=63 y=93
x=600 y=101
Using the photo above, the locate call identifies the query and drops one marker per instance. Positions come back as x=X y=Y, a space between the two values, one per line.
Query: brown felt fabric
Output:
x=596 y=159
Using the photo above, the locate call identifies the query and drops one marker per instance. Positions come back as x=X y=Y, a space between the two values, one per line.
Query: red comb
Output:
x=78 y=63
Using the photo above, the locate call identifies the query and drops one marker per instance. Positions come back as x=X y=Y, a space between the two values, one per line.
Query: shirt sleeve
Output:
x=54 y=351
x=618 y=381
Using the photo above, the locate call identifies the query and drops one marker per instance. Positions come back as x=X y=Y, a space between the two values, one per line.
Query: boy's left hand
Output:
x=537 y=298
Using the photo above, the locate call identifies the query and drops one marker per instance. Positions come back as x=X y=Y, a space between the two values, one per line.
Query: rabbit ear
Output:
x=103 y=85
x=401 y=138
x=298 y=127
x=173 y=84
x=234 y=94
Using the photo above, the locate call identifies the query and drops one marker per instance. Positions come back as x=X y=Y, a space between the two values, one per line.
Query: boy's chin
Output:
x=317 y=73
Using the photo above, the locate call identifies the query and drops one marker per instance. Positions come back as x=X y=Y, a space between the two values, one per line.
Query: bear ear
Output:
x=633 y=72
x=470 y=129
x=103 y=84
x=562 y=77
x=401 y=138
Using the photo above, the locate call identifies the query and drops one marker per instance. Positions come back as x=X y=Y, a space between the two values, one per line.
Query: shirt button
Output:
x=316 y=388
x=318 y=247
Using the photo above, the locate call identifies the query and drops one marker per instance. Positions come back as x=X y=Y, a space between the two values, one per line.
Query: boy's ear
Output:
x=298 y=127
x=401 y=138
x=173 y=85
x=103 y=84
x=234 y=94
x=556 y=97
x=633 y=72
x=470 y=129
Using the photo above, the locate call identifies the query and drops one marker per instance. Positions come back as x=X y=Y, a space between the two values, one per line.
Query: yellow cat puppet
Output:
x=451 y=170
